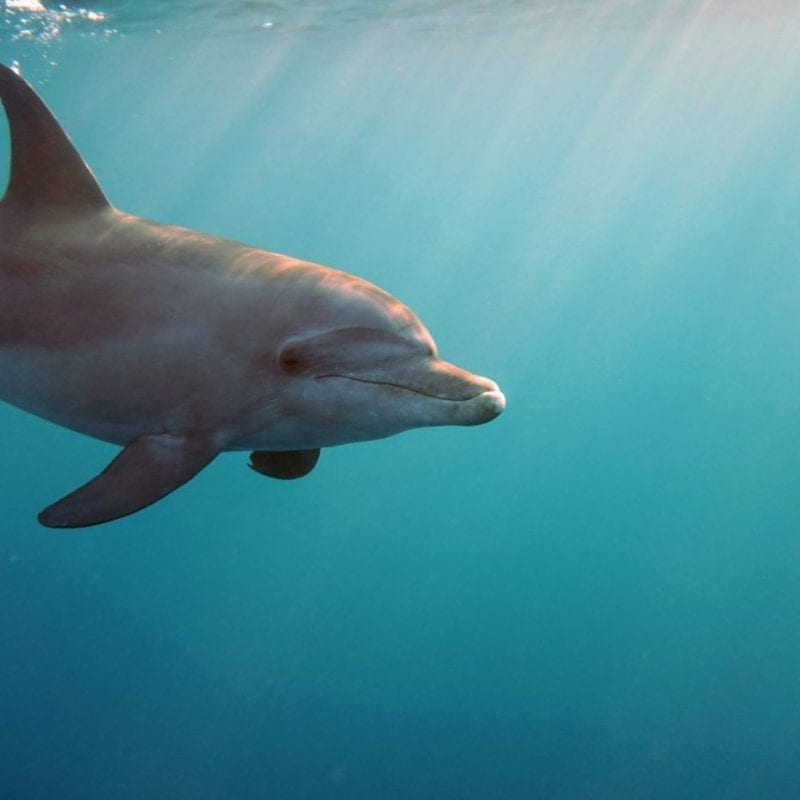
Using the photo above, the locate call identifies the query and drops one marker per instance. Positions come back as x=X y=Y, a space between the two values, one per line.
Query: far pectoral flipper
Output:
x=149 y=468
x=286 y=465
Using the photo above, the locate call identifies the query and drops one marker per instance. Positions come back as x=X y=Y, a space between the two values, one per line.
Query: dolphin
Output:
x=177 y=345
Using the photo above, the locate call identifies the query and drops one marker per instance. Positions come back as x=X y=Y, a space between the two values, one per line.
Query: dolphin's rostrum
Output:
x=178 y=345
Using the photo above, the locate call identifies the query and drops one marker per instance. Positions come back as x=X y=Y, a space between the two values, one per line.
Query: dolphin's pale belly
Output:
x=123 y=389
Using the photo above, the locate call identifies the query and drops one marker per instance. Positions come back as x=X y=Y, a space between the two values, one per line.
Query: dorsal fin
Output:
x=46 y=169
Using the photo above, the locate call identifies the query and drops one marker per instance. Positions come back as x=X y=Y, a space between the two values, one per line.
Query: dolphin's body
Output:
x=178 y=345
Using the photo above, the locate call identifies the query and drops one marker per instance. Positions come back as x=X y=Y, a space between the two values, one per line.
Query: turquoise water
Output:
x=594 y=597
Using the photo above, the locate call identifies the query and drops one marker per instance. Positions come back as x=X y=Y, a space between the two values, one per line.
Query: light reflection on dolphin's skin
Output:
x=178 y=345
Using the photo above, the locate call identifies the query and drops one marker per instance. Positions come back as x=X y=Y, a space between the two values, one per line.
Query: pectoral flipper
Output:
x=149 y=468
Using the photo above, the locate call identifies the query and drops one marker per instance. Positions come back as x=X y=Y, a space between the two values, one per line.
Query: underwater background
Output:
x=597 y=204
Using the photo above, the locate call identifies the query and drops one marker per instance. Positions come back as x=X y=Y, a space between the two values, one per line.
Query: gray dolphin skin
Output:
x=177 y=345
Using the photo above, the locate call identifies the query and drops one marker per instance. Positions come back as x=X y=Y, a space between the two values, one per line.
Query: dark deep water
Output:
x=594 y=597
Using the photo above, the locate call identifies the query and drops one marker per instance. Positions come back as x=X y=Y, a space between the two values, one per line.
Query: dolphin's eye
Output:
x=292 y=359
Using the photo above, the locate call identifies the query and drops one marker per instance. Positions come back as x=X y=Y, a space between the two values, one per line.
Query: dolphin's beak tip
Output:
x=490 y=403
x=495 y=402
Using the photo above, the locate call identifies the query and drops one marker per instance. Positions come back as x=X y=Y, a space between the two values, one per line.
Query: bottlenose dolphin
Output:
x=178 y=345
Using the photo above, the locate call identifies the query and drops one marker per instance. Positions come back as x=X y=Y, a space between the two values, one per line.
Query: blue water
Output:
x=596 y=596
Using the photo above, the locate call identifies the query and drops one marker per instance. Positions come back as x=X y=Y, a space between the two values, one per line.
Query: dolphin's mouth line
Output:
x=402 y=388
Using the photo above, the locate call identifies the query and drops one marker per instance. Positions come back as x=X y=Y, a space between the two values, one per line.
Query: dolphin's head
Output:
x=356 y=364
